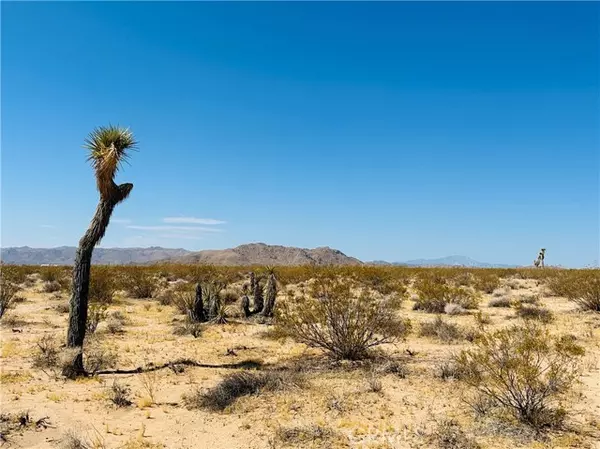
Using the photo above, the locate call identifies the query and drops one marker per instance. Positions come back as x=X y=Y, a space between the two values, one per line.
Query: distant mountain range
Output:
x=449 y=261
x=249 y=254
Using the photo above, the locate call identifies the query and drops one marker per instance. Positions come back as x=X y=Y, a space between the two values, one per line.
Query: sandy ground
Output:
x=402 y=415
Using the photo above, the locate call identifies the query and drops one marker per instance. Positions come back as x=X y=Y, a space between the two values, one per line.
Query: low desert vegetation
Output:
x=343 y=323
x=241 y=384
x=339 y=361
x=523 y=369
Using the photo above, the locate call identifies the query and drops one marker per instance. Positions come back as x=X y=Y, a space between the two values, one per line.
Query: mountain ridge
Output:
x=246 y=254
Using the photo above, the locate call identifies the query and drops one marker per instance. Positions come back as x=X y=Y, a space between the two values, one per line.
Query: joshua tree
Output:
x=270 y=293
x=197 y=313
x=245 y=301
x=257 y=293
x=540 y=258
x=108 y=149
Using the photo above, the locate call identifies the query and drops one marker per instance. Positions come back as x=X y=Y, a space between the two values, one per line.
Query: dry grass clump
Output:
x=51 y=287
x=188 y=328
x=531 y=312
x=449 y=435
x=299 y=435
x=502 y=301
x=443 y=330
x=119 y=394
x=98 y=358
x=528 y=299
x=447 y=369
x=241 y=384
x=523 y=369
x=454 y=309
x=47 y=355
x=344 y=324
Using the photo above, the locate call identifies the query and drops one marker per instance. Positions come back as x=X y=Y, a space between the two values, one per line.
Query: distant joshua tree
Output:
x=108 y=148
x=539 y=262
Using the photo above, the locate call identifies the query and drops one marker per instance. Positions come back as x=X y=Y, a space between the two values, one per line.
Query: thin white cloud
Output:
x=47 y=226
x=174 y=228
x=180 y=236
x=121 y=220
x=193 y=220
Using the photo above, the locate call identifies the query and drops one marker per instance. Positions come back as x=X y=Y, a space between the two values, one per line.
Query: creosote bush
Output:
x=522 y=369
x=344 y=324
x=443 y=330
x=530 y=312
x=587 y=295
x=8 y=291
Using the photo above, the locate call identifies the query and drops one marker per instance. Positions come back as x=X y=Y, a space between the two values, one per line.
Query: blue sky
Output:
x=387 y=130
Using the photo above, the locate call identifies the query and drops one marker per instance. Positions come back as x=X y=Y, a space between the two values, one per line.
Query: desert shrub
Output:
x=51 y=274
x=447 y=369
x=341 y=322
x=98 y=358
x=564 y=283
x=102 y=286
x=434 y=292
x=51 y=286
x=119 y=316
x=587 y=296
x=464 y=278
x=96 y=314
x=188 y=328
x=394 y=367
x=503 y=301
x=150 y=381
x=528 y=299
x=482 y=318
x=487 y=282
x=241 y=384
x=119 y=394
x=530 y=312
x=165 y=297
x=8 y=292
x=47 y=353
x=523 y=369
x=454 y=309
x=466 y=298
x=443 y=330
x=140 y=283
x=14 y=274
x=449 y=435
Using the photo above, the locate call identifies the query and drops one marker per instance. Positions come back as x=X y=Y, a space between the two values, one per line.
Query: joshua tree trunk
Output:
x=270 y=295
x=197 y=314
x=258 y=297
x=246 y=306
x=81 y=274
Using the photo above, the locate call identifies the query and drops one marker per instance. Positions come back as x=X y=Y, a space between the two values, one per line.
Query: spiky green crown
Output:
x=108 y=146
